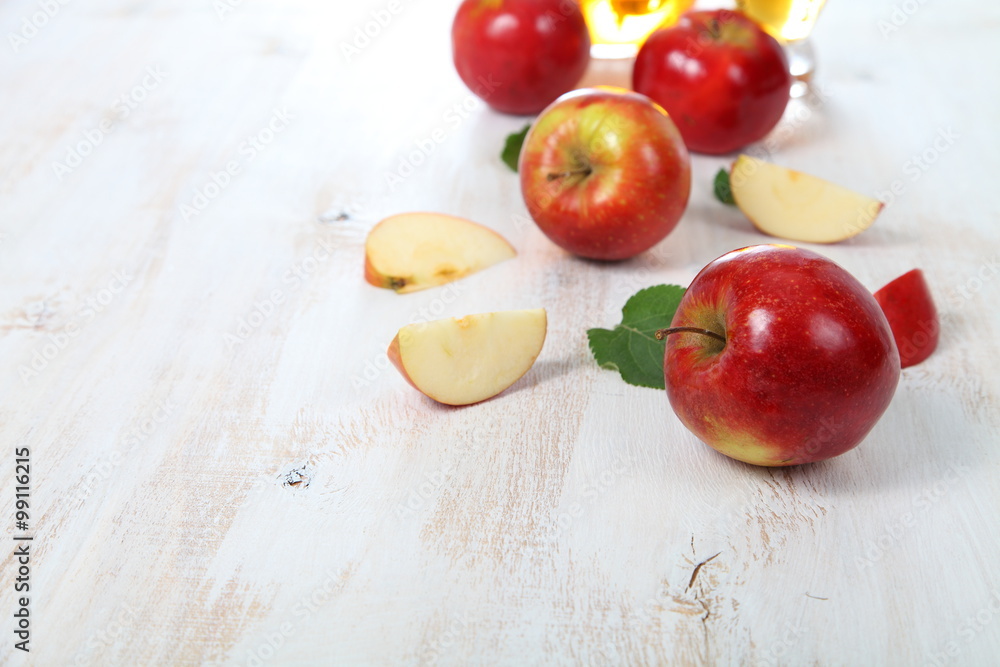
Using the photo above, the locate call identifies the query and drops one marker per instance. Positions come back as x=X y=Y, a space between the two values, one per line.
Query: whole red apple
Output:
x=909 y=308
x=722 y=78
x=520 y=55
x=604 y=173
x=799 y=365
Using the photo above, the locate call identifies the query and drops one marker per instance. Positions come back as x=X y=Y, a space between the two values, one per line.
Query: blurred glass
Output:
x=619 y=27
x=790 y=22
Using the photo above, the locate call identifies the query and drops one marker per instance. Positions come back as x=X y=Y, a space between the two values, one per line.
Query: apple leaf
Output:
x=512 y=148
x=631 y=347
x=723 y=190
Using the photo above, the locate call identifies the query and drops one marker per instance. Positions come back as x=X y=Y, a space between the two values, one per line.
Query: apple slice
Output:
x=908 y=306
x=414 y=251
x=458 y=361
x=799 y=207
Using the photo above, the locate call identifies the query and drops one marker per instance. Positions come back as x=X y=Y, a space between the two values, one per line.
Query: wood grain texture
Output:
x=225 y=470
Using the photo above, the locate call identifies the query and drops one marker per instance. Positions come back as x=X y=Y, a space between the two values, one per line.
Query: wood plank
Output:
x=226 y=471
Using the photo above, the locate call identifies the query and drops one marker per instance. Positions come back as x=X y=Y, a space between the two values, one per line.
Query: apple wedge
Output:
x=414 y=251
x=792 y=205
x=909 y=307
x=458 y=361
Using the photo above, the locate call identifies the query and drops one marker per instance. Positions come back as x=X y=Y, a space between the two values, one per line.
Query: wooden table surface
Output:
x=224 y=469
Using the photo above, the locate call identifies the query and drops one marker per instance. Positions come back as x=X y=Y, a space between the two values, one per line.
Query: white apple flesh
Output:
x=459 y=361
x=414 y=251
x=796 y=206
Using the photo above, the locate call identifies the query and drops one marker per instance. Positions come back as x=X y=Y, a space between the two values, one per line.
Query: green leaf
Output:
x=723 y=190
x=631 y=347
x=512 y=148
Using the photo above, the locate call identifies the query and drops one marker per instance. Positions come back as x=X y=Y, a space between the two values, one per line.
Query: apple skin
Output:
x=808 y=367
x=520 y=55
x=397 y=360
x=913 y=318
x=605 y=173
x=722 y=78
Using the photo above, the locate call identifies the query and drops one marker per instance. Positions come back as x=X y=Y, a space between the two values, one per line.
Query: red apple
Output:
x=605 y=173
x=722 y=78
x=520 y=55
x=909 y=307
x=798 y=365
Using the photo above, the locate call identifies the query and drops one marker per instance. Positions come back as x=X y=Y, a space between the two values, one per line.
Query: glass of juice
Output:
x=619 y=27
x=790 y=22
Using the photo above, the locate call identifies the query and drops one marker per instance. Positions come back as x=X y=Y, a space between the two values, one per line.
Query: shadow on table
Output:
x=922 y=445
x=545 y=371
x=541 y=371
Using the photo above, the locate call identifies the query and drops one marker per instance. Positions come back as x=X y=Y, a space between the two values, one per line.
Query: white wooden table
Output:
x=223 y=470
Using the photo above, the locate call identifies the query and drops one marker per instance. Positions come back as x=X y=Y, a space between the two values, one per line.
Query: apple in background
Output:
x=798 y=365
x=604 y=173
x=458 y=361
x=799 y=207
x=520 y=55
x=722 y=78
x=909 y=307
x=414 y=251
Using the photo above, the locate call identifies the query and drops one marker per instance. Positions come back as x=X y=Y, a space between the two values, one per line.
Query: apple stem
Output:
x=586 y=171
x=663 y=333
x=715 y=28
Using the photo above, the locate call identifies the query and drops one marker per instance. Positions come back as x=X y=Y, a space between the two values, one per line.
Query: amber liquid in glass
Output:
x=787 y=20
x=619 y=27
